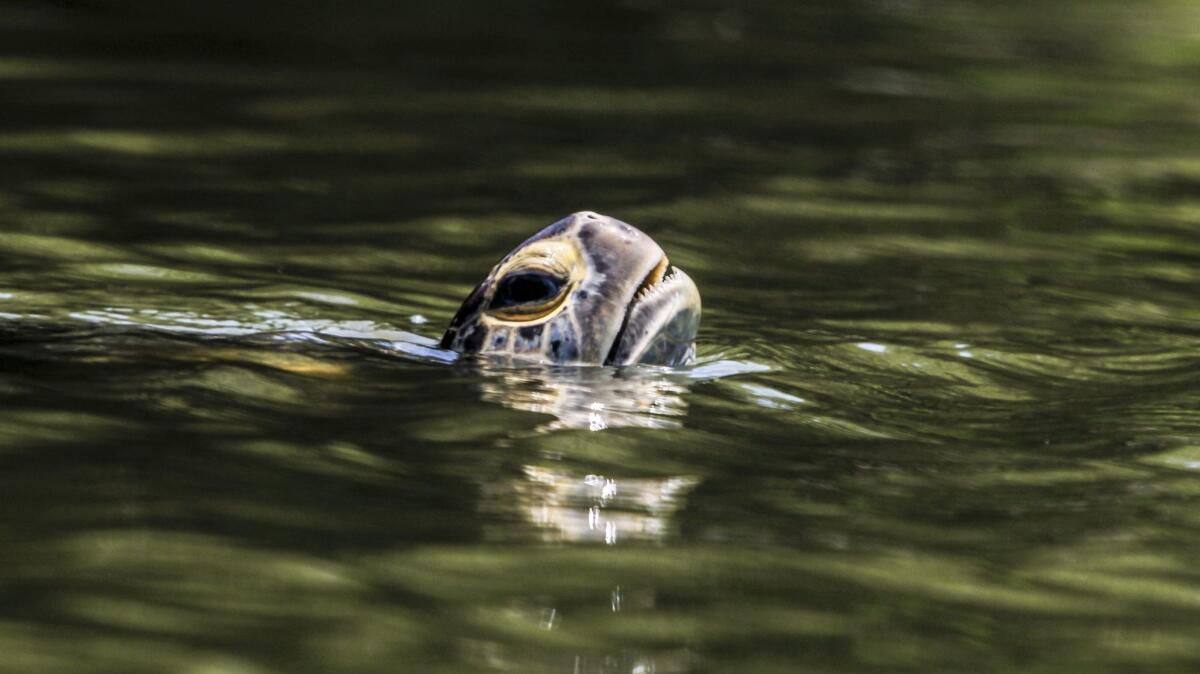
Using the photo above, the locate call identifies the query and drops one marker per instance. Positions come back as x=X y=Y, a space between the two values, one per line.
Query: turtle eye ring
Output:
x=525 y=292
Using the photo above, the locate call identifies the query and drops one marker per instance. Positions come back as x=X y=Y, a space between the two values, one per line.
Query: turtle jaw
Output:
x=660 y=322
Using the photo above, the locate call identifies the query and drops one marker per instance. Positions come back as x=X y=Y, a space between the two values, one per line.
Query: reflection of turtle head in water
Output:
x=587 y=290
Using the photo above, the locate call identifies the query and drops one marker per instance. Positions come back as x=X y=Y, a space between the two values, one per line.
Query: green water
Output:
x=947 y=412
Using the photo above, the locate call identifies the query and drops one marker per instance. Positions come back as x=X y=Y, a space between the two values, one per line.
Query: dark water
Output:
x=947 y=416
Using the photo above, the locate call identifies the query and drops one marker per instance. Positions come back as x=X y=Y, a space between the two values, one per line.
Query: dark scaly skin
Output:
x=623 y=302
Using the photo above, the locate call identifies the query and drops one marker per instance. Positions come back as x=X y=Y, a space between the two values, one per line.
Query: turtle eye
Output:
x=525 y=289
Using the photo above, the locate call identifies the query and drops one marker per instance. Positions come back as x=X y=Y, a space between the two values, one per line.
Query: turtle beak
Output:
x=660 y=321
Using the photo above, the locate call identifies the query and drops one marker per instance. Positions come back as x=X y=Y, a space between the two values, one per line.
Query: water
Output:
x=945 y=417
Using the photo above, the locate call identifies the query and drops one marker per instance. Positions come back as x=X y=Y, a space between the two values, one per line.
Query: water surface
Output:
x=946 y=411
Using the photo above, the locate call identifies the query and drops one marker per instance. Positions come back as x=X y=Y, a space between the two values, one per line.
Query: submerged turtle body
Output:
x=586 y=290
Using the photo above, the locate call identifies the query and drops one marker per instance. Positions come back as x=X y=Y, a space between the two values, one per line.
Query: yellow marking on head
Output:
x=559 y=257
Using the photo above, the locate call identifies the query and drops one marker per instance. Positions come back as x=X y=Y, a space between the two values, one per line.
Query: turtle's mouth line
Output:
x=654 y=279
x=655 y=276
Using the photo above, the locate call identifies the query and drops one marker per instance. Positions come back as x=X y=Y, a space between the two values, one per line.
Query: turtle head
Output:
x=588 y=290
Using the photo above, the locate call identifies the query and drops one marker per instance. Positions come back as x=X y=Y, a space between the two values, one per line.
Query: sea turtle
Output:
x=586 y=290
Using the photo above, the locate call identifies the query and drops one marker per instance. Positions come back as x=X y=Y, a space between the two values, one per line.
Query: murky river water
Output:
x=946 y=415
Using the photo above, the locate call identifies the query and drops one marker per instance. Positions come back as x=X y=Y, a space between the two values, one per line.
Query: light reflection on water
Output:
x=598 y=509
x=590 y=398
